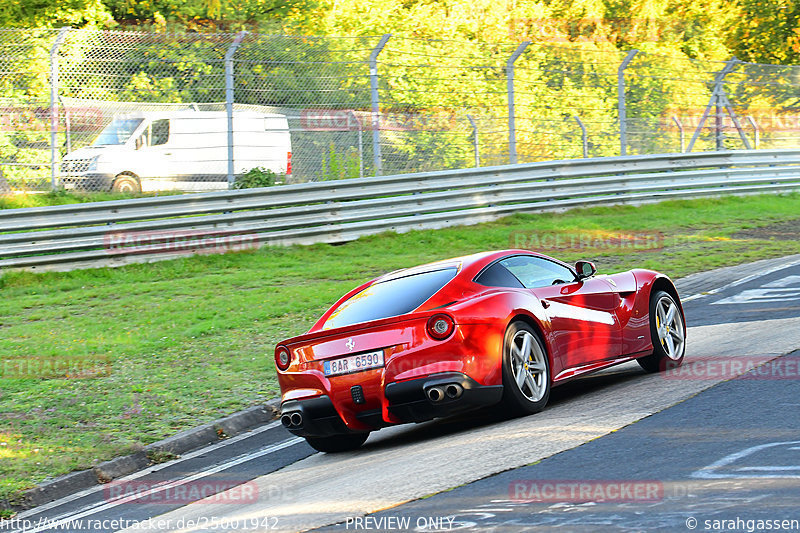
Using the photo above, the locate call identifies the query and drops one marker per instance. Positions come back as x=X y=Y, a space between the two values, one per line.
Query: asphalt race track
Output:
x=696 y=449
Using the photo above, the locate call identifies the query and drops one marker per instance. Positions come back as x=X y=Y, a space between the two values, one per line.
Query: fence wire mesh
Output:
x=129 y=111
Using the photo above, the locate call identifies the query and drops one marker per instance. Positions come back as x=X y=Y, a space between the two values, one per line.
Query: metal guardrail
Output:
x=147 y=229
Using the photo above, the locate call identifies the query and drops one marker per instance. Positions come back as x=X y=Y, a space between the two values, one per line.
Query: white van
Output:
x=178 y=150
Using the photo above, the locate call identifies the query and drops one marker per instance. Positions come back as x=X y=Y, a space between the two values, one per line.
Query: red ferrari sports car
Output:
x=497 y=327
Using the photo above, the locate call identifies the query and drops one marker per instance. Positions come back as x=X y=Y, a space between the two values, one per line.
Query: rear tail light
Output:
x=440 y=326
x=288 y=163
x=282 y=358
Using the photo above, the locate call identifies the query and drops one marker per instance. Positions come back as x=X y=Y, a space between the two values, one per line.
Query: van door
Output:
x=155 y=159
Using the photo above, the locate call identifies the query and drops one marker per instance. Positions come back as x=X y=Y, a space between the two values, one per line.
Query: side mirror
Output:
x=585 y=269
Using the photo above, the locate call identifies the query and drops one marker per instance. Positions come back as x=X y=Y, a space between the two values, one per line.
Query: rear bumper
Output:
x=404 y=401
x=409 y=402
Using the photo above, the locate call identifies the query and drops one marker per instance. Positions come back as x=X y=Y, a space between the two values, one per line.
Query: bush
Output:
x=257 y=177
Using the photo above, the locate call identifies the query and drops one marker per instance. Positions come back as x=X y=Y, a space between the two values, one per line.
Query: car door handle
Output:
x=545 y=304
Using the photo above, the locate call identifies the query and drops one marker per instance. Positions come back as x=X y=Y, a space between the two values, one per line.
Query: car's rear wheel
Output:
x=668 y=333
x=526 y=370
x=338 y=443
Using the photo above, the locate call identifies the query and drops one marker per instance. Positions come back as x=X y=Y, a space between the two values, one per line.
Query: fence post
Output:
x=376 y=104
x=352 y=114
x=757 y=137
x=62 y=33
x=680 y=129
x=229 y=94
x=621 y=104
x=716 y=95
x=512 y=129
x=584 y=136
x=475 y=145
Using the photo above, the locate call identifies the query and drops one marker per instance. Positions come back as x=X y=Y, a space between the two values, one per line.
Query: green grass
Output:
x=192 y=339
x=16 y=201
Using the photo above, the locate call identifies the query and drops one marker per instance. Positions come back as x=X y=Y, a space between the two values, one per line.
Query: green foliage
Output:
x=27 y=158
x=257 y=177
x=768 y=32
x=204 y=15
x=37 y=13
x=338 y=166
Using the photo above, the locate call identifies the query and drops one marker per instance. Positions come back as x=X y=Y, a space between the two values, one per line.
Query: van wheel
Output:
x=126 y=183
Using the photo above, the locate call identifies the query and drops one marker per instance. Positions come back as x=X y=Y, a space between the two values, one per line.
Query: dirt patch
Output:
x=780 y=231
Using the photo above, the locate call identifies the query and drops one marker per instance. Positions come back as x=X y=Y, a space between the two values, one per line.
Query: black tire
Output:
x=338 y=443
x=664 y=357
x=524 y=400
x=126 y=183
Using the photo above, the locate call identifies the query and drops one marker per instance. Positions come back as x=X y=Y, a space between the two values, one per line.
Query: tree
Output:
x=44 y=13
x=768 y=32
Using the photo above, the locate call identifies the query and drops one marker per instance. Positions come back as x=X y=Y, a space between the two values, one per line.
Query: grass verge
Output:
x=17 y=201
x=178 y=343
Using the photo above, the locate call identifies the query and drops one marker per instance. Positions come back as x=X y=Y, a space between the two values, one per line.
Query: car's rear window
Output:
x=390 y=298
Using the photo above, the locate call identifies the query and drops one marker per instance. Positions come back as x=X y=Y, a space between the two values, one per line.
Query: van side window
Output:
x=160 y=132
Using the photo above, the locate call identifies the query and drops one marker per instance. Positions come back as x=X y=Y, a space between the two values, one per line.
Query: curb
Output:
x=178 y=444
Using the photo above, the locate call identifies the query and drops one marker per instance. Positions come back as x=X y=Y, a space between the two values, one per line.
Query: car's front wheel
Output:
x=667 y=332
x=126 y=183
x=526 y=370
x=338 y=443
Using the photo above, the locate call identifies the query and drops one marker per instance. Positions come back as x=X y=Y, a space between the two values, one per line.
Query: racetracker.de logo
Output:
x=538 y=490
x=724 y=368
x=578 y=240
x=164 y=492
x=178 y=242
x=55 y=367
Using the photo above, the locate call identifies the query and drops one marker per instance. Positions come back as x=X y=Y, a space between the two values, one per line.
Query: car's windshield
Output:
x=118 y=132
x=390 y=298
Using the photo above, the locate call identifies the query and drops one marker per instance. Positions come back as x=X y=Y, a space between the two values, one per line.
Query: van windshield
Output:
x=118 y=132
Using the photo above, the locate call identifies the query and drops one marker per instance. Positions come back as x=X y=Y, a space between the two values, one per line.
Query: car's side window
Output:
x=498 y=276
x=536 y=271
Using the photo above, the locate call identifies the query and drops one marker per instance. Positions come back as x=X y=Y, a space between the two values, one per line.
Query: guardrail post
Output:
x=680 y=129
x=512 y=130
x=229 y=95
x=376 y=104
x=476 y=148
x=621 y=104
x=62 y=34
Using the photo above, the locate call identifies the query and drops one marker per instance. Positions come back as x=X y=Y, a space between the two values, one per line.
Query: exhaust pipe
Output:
x=453 y=391
x=435 y=394
x=297 y=419
x=291 y=420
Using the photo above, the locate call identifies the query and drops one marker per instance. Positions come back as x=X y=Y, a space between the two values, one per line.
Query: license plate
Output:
x=354 y=363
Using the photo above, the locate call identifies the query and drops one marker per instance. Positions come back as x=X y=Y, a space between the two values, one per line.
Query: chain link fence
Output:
x=130 y=111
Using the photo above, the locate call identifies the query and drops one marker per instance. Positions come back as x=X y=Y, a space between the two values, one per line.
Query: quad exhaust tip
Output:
x=453 y=391
x=435 y=394
x=292 y=420
x=439 y=393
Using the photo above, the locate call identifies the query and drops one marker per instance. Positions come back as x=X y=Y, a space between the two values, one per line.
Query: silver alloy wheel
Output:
x=669 y=325
x=528 y=366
